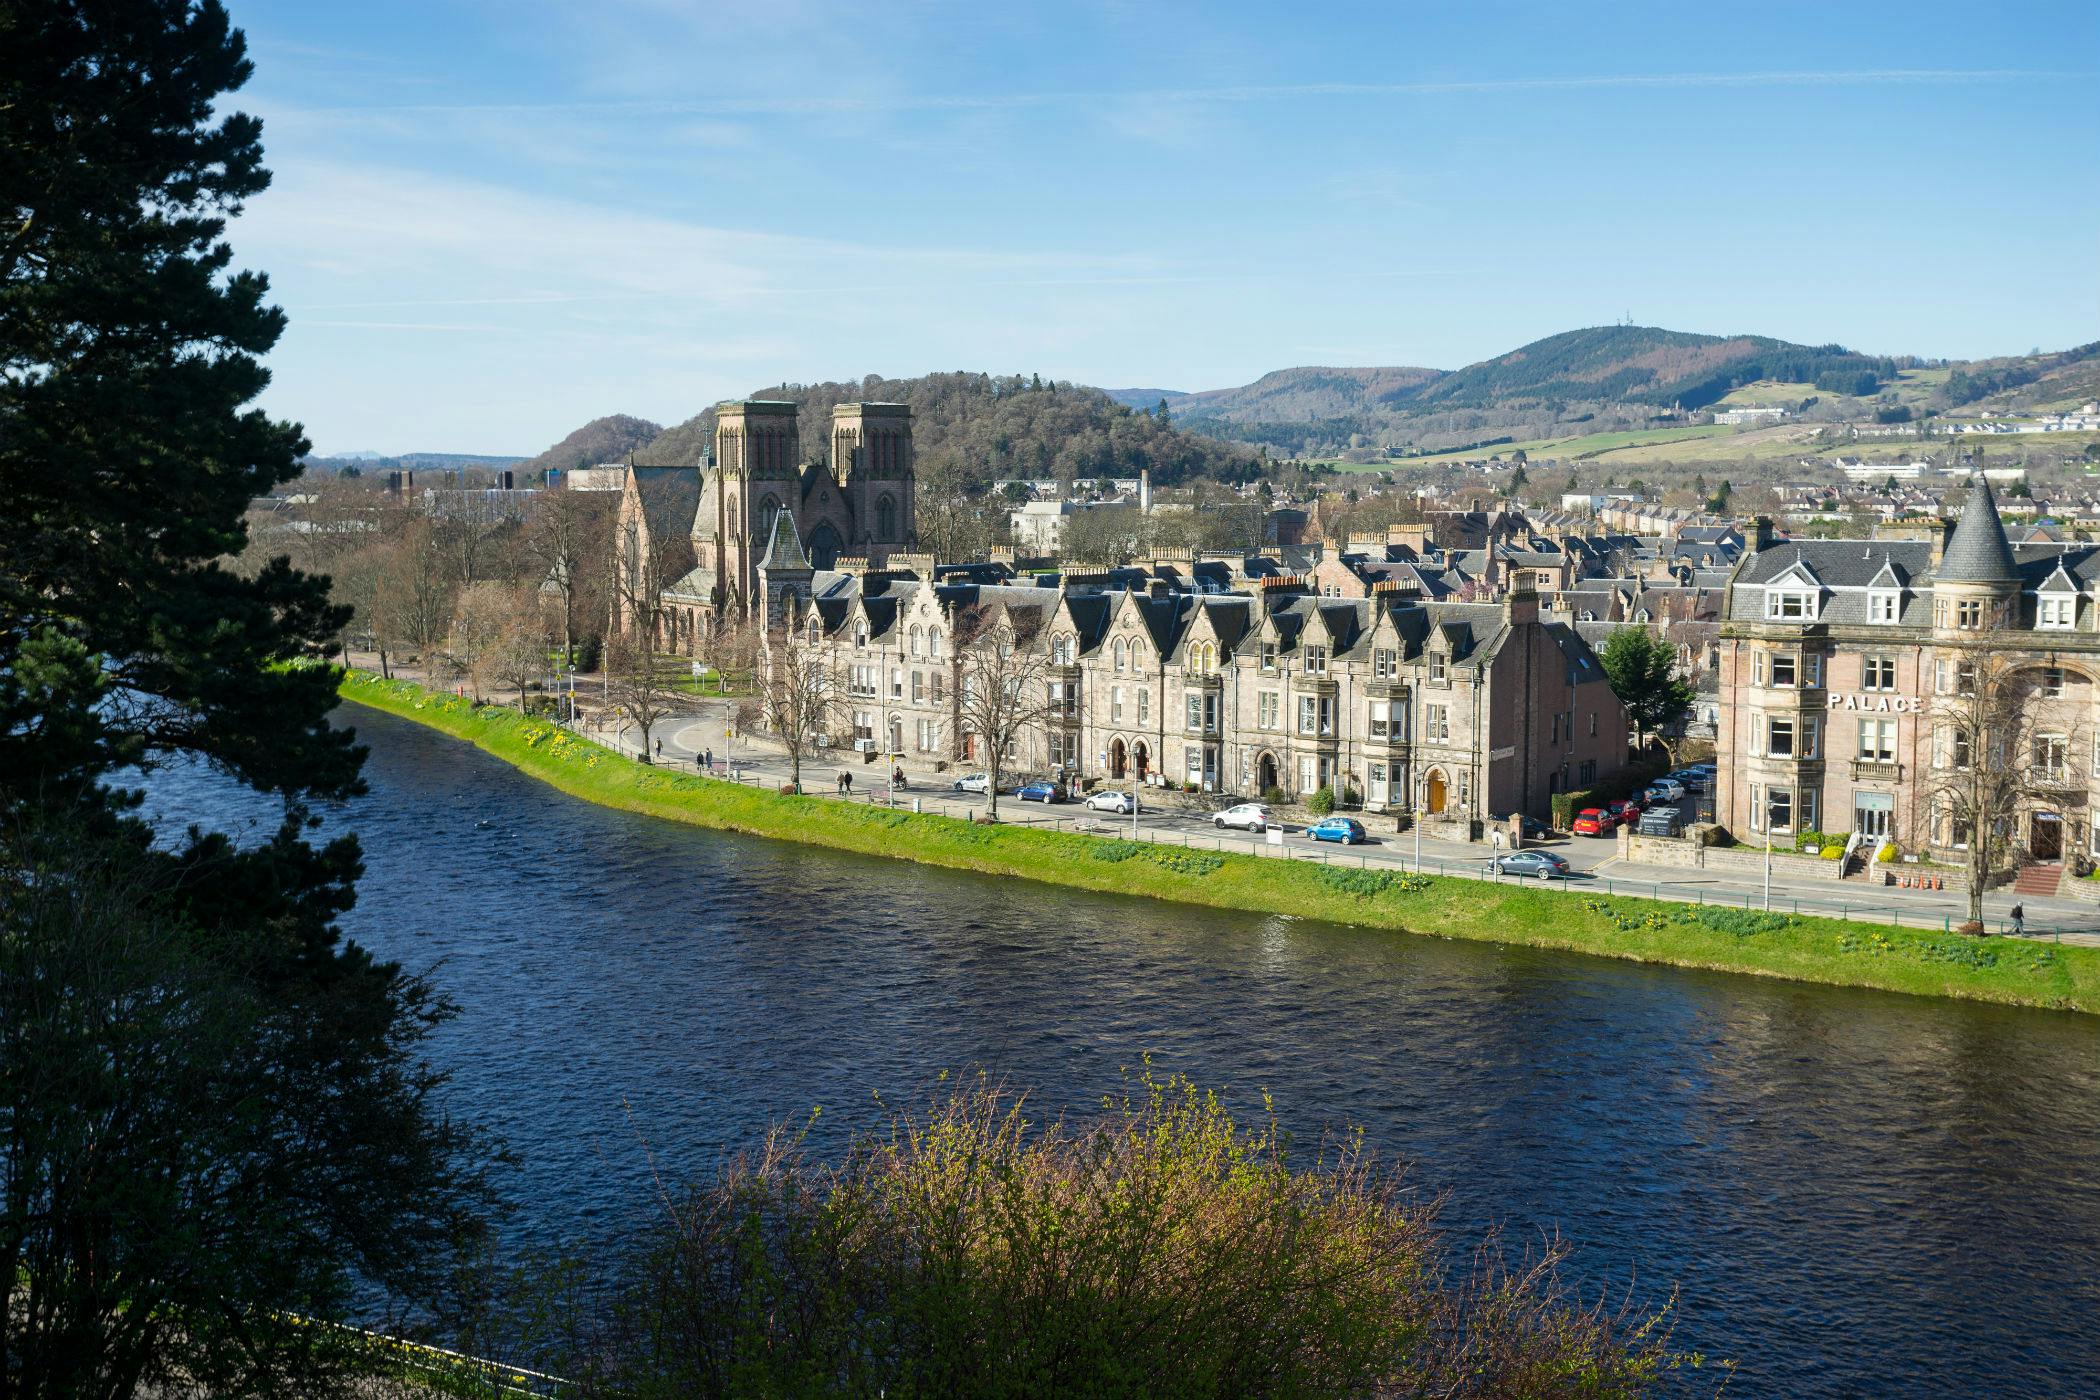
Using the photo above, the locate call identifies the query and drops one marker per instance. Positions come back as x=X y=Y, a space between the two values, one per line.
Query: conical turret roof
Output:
x=784 y=551
x=1978 y=551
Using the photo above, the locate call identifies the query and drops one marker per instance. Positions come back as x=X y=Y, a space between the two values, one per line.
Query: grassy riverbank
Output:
x=1806 y=949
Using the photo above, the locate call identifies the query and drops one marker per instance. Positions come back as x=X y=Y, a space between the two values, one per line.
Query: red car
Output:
x=1595 y=821
x=1625 y=813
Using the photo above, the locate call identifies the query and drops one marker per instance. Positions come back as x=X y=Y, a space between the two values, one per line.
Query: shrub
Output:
x=1832 y=852
x=1274 y=796
x=1321 y=802
x=1369 y=883
x=1888 y=853
x=1160 y=1249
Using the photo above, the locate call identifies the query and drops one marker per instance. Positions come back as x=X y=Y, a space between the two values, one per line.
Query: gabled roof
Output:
x=670 y=498
x=1978 y=551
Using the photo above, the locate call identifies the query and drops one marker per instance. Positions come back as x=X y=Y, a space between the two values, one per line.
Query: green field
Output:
x=1804 y=949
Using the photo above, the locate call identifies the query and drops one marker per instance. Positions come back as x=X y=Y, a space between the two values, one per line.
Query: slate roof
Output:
x=670 y=499
x=783 y=550
x=1978 y=551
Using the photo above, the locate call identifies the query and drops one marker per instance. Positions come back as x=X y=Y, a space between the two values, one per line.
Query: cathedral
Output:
x=736 y=538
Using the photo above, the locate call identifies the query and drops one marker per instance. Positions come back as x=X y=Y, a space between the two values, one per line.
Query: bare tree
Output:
x=635 y=685
x=1005 y=692
x=567 y=537
x=2001 y=743
x=415 y=592
x=797 y=694
x=521 y=651
x=479 y=625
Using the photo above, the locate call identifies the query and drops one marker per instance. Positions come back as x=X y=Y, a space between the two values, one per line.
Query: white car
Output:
x=1664 y=790
x=979 y=783
x=1112 y=800
x=1247 y=816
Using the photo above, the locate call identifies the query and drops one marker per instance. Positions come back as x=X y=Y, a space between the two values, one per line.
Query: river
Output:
x=1855 y=1193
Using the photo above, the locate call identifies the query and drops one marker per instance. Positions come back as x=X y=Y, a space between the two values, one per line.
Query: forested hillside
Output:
x=971 y=429
x=1615 y=375
x=607 y=439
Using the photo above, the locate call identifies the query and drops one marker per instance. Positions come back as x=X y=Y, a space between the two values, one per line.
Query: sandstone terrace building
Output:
x=1842 y=662
x=1228 y=679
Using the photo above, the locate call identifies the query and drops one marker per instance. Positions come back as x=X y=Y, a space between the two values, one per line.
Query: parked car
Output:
x=1661 y=821
x=1534 y=829
x=1112 y=800
x=1595 y=821
x=1041 y=791
x=1693 y=779
x=979 y=783
x=1663 y=791
x=1624 y=811
x=1247 y=816
x=1347 y=830
x=1540 y=865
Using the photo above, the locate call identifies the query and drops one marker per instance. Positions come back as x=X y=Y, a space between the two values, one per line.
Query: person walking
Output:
x=659 y=748
x=2019 y=918
x=849 y=783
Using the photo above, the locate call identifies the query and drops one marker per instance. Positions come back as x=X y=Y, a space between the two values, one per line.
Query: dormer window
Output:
x=1790 y=605
x=1884 y=605
x=1315 y=661
x=860 y=634
x=1268 y=656
x=1439 y=666
x=1062 y=650
x=1968 y=614
x=2056 y=612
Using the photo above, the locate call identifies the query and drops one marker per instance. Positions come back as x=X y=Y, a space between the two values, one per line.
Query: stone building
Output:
x=1843 y=662
x=1452 y=710
x=694 y=539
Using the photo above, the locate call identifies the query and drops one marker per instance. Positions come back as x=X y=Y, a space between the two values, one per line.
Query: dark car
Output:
x=1044 y=792
x=1540 y=865
x=1534 y=829
x=1347 y=830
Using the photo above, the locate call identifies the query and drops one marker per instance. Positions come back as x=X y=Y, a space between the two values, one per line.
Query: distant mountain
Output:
x=607 y=439
x=971 y=429
x=1624 y=375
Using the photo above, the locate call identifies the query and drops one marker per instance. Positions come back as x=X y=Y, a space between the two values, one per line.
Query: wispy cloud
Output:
x=822 y=104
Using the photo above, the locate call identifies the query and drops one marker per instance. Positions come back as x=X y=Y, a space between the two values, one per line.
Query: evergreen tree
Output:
x=211 y=1111
x=1642 y=672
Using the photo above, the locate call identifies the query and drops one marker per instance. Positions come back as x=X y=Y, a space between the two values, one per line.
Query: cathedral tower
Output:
x=871 y=459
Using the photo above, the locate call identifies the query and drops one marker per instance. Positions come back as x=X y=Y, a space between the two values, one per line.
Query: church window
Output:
x=885 y=519
x=917 y=637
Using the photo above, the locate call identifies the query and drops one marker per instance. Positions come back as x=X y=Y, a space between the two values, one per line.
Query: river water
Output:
x=1854 y=1193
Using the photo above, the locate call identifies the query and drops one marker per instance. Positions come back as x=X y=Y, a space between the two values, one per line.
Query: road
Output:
x=1594 y=863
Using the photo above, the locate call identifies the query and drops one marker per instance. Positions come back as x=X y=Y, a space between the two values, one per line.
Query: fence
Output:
x=1398 y=855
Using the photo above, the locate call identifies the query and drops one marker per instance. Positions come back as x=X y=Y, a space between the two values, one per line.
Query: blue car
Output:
x=1347 y=830
x=1041 y=792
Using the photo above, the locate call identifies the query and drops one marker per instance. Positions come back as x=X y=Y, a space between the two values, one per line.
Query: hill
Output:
x=607 y=439
x=1605 y=377
x=970 y=429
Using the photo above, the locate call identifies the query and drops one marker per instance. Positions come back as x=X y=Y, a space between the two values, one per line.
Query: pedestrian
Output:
x=840 y=785
x=659 y=748
x=849 y=783
x=2019 y=918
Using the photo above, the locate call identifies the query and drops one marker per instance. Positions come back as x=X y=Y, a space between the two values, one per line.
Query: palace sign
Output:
x=1877 y=704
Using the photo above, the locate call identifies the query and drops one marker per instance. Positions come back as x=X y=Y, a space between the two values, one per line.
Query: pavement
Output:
x=1594 y=863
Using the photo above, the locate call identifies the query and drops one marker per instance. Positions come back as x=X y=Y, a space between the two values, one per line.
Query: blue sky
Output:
x=493 y=221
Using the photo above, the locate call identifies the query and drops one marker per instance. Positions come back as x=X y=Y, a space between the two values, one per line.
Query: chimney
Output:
x=509 y=480
x=1520 y=606
x=1144 y=490
x=1761 y=533
x=1939 y=541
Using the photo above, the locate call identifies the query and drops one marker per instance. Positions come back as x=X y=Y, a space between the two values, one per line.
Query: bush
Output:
x=1274 y=796
x=1832 y=852
x=1320 y=803
x=1161 y=1249
x=1888 y=853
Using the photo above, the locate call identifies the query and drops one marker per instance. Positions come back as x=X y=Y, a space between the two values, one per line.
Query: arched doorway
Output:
x=1118 y=759
x=1433 y=791
x=896 y=735
x=1265 y=772
x=1141 y=758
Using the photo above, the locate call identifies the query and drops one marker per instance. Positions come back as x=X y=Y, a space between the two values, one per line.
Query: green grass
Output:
x=1806 y=949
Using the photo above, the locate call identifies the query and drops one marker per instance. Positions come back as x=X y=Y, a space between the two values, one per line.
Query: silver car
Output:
x=974 y=782
x=1246 y=816
x=1113 y=800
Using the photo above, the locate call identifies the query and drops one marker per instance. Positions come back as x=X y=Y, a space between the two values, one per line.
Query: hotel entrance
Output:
x=2045 y=837
x=1873 y=814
